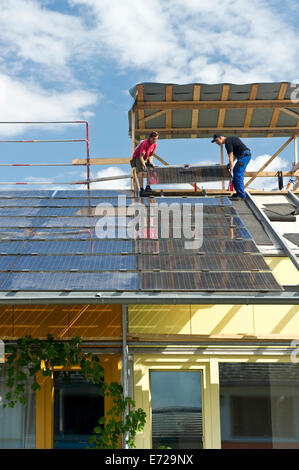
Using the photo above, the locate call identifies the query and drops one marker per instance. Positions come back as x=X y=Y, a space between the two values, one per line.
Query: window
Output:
x=17 y=429
x=259 y=405
x=176 y=400
x=78 y=406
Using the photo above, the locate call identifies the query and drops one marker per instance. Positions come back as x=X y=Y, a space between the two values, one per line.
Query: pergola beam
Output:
x=228 y=104
x=284 y=131
x=195 y=112
x=290 y=113
x=270 y=160
x=249 y=112
x=276 y=112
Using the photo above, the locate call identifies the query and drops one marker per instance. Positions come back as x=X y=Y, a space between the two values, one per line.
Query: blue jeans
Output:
x=239 y=171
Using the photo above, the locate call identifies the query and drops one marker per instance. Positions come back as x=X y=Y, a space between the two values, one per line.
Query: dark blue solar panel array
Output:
x=59 y=240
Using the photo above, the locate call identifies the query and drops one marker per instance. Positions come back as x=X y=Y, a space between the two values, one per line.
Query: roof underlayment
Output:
x=199 y=110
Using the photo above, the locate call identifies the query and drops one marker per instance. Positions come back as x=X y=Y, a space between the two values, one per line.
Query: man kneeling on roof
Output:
x=143 y=159
x=236 y=150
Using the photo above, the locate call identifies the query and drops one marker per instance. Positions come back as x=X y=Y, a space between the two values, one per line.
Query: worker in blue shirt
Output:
x=236 y=150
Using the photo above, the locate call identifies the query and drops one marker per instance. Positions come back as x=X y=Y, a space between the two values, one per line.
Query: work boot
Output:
x=142 y=192
x=148 y=189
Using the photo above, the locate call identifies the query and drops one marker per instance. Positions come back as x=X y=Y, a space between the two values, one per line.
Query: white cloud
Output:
x=25 y=101
x=188 y=40
x=112 y=184
x=278 y=164
x=178 y=40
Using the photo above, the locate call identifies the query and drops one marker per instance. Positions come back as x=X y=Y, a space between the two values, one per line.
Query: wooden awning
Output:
x=201 y=110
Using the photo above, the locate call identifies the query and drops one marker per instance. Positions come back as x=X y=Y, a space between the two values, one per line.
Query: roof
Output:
x=52 y=242
x=200 y=110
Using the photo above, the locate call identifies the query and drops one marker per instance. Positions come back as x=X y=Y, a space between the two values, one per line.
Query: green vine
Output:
x=30 y=356
x=108 y=433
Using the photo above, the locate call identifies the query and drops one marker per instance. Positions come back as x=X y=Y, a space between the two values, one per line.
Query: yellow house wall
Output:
x=283 y=270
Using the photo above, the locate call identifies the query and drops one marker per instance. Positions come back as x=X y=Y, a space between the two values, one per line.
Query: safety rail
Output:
x=24 y=141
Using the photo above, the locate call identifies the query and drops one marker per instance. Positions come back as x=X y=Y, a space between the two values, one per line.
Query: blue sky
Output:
x=77 y=59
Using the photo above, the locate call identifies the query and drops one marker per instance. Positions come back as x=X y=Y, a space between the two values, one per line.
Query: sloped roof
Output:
x=49 y=242
x=200 y=110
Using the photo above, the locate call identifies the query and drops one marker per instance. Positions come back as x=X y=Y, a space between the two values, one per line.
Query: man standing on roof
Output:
x=236 y=150
x=143 y=159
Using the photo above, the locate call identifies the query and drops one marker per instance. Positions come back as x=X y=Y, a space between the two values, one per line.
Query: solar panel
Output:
x=100 y=193
x=6 y=262
x=191 y=262
x=206 y=201
x=190 y=174
x=49 y=241
x=76 y=281
x=213 y=281
x=71 y=262
x=96 y=246
x=209 y=246
x=24 y=194
x=19 y=212
x=11 y=247
x=23 y=202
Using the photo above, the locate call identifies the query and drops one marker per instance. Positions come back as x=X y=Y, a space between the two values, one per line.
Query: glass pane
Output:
x=176 y=400
x=259 y=406
x=77 y=408
x=17 y=425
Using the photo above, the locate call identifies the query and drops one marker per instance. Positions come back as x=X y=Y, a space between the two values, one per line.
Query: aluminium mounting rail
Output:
x=277 y=237
x=293 y=198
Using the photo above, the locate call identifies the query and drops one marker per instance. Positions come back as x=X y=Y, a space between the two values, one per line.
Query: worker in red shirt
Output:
x=143 y=159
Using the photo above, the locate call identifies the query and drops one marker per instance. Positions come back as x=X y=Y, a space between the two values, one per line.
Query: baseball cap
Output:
x=215 y=137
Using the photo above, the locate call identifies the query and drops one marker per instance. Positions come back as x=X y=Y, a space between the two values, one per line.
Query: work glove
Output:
x=150 y=166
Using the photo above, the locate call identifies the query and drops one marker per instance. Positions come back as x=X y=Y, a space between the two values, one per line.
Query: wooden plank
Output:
x=168 y=113
x=233 y=130
x=231 y=104
x=290 y=113
x=249 y=112
x=276 y=112
x=133 y=144
x=152 y=116
x=140 y=124
x=102 y=161
x=270 y=160
x=222 y=111
x=195 y=112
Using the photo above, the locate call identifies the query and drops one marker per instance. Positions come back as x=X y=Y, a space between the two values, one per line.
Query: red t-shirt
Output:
x=145 y=147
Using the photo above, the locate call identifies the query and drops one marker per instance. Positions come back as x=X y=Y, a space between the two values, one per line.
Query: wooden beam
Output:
x=152 y=116
x=141 y=124
x=133 y=144
x=295 y=151
x=195 y=112
x=249 y=112
x=290 y=113
x=276 y=112
x=232 y=104
x=284 y=131
x=102 y=161
x=161 y=160
x=222 y=111
x=270 y=160
x=269 y=174
x=168 y=113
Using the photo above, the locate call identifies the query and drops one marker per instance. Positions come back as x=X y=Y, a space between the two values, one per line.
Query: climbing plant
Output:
x=30 y=356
